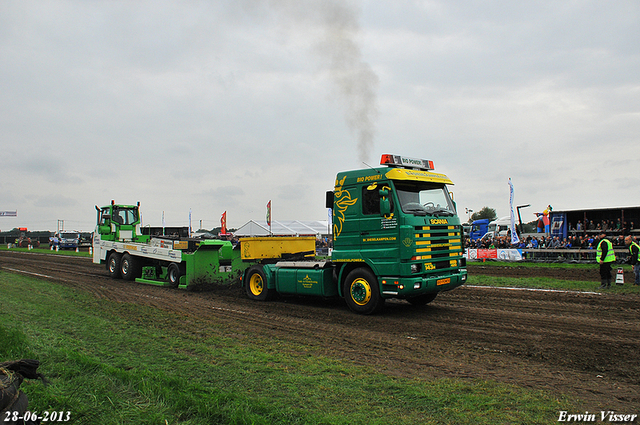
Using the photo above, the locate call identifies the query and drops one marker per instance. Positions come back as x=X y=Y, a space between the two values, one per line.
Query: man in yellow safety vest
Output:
x=634 y=257
x=605 y=257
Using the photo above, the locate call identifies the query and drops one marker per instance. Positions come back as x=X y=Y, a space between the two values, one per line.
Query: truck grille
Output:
x=440 y=245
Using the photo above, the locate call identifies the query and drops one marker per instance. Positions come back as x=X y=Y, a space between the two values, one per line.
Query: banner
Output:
x=494 y=254
x=514 y=235
x=223 y=223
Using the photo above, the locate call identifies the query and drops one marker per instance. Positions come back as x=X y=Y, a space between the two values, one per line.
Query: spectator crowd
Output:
x=543 y=242
x=581 y=237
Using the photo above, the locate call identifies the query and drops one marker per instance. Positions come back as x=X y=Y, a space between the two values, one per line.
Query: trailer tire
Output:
x=173 y=275
x=421 y=300
x=130 y=267
x=362 y=293
x=113 y=265
x=256 y=285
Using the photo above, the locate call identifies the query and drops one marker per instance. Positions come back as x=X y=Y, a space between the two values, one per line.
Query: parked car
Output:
x=65 y=240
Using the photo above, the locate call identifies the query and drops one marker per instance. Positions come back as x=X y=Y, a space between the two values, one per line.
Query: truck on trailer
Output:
x=396 y=234
x=179 y=261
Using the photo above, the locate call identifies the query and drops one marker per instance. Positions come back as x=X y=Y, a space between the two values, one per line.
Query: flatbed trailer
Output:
x=185 y=262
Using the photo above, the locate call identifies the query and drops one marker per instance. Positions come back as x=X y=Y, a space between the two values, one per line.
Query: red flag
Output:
x=223 y=223
x=269 y=213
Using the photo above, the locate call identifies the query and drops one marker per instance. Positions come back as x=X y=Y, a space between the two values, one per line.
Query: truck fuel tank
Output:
x=305 y=278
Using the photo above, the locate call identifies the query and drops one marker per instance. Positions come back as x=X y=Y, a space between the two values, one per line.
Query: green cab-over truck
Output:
x=396 y=234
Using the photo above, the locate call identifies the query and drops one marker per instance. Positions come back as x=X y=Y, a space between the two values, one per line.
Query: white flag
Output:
x=514 y=234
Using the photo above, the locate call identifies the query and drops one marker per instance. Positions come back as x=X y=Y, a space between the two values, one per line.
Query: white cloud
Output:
x=220 y=106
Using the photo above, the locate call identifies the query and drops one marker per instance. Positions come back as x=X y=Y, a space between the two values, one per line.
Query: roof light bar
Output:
x=403 y=161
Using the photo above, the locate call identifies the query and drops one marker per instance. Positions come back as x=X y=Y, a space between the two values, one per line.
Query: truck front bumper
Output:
x=408 y=287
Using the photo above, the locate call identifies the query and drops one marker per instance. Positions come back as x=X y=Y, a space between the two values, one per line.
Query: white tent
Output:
x=284 y=228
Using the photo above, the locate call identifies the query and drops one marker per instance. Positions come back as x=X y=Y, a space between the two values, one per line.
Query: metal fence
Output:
x=569 y=255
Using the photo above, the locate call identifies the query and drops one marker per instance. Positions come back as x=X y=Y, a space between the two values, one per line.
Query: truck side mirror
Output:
x=385 y=204
x=329 y=199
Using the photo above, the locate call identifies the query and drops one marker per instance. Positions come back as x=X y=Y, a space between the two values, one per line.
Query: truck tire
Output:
x=173 y=275
x=130 y=267
x=113 y=265
x=362 y=293
x=421 y=300
x=256 y=285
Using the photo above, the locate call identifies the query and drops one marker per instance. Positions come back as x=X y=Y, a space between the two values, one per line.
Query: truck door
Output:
x=346 y=226
x=378 y=231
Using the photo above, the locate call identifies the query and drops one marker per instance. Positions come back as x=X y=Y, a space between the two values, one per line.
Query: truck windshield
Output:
x=423 y=199
x=69 y=235
x=125 y=215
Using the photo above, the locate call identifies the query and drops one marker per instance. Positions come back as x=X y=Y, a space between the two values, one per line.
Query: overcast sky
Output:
x=224 y=105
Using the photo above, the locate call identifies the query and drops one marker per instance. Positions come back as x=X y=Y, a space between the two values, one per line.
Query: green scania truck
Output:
x=396 y=234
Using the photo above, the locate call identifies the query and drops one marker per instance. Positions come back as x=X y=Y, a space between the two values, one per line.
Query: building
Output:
x=284 y=228
x=614 y=221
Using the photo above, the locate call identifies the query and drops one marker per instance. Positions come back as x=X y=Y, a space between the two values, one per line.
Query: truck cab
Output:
x=396 y=234
x=478 y=229
x=500 y=227
x=119 y=223
x=68 y=240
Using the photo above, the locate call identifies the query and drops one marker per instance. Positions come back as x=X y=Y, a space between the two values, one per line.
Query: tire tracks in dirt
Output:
x=579 y=344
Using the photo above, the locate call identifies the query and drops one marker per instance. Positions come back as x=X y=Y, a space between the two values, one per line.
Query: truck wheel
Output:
x=422 y=299
x=113 y=265
x=130 y=267
x=362 y=293
x=256 y=285
x=173 y=274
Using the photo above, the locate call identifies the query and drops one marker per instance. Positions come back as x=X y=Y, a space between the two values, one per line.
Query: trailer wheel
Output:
x=256 y=285
x=130 y=267
x=362 y=293
x=113 y=265
x=421 y=300
x=173 y=274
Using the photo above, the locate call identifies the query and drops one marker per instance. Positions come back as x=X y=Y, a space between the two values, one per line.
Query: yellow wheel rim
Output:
x=360 y=291
x=256 y=284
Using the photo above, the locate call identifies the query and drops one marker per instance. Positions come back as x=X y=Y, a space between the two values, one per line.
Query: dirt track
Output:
x=583 y=345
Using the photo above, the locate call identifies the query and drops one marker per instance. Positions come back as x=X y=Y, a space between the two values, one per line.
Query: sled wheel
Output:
x=130 y=267
x=113 y=265
x=173 y=274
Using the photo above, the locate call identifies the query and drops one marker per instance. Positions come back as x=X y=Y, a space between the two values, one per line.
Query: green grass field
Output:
x=120 y=363
x=84 y=252
x=475 y=278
